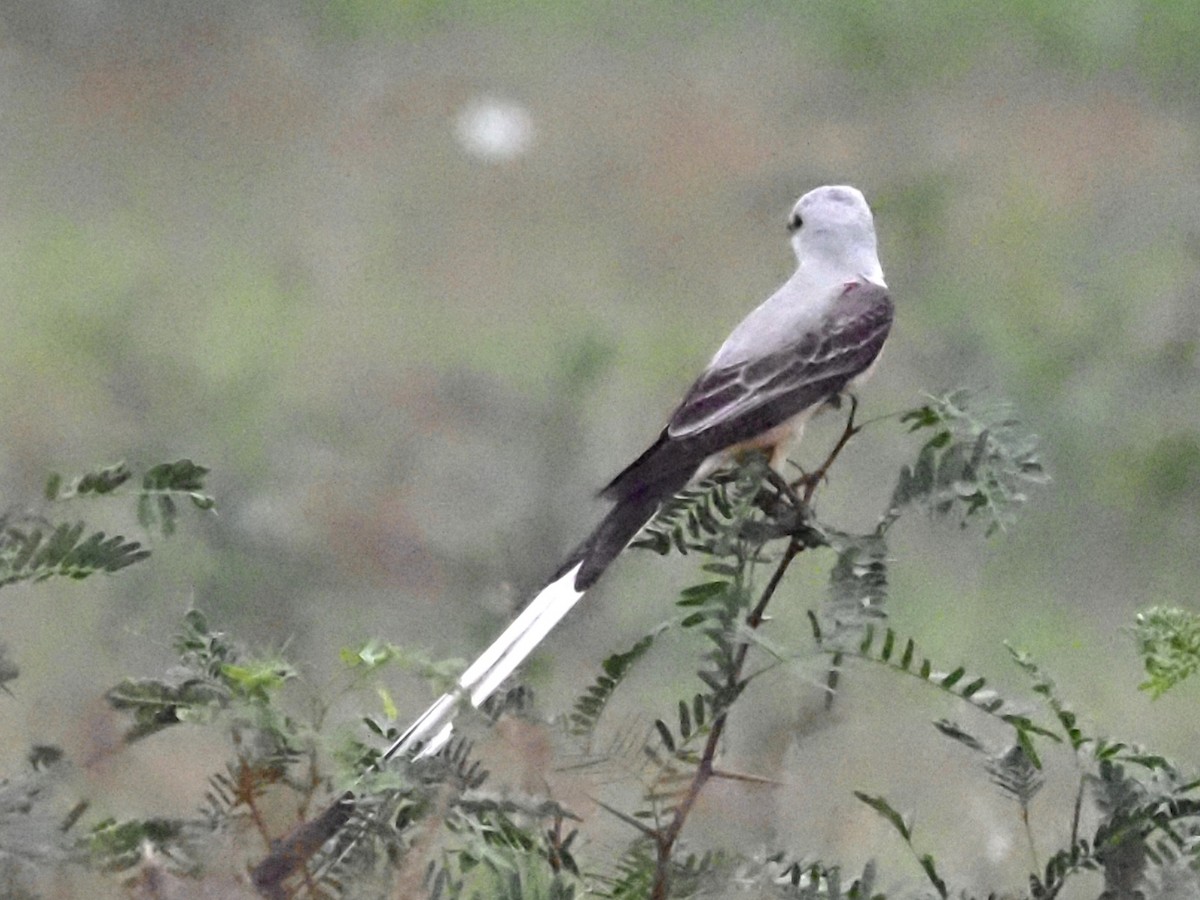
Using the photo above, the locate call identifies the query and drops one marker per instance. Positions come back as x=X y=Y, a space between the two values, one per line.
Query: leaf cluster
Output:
x=437 y=826
x=1148 y=822
x=35 y=546
x=215 y=680
x=34 y=549
x=1169 y=643
x=977 y=463
x=213 y=674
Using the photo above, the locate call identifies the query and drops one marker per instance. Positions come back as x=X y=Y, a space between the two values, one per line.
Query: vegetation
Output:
x=445 y=827
x=253 y=233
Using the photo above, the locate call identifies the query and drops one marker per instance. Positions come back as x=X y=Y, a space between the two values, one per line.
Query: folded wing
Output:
x=735 y=404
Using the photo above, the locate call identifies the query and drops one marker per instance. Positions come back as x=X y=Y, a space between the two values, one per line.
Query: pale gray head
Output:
x=833 y=233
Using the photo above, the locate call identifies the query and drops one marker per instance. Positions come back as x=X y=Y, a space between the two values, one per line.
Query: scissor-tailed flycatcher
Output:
x=815 y=337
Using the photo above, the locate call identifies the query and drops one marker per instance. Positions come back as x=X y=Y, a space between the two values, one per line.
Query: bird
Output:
x=817 y=337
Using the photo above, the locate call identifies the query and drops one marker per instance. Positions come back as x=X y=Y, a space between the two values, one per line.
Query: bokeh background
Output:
x=415 y=278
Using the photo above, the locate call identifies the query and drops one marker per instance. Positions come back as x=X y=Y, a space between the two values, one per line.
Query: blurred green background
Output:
x=416 y=278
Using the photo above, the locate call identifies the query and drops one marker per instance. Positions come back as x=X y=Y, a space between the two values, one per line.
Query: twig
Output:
x=745 y=777
x=1033 y=854
x=666 y=838
x=813 y=479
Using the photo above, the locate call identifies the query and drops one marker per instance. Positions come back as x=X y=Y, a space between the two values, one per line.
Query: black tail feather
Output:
x=622 y=523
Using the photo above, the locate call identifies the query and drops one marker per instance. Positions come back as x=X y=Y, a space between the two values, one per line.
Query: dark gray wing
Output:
x=735 y=404
x=732 y=405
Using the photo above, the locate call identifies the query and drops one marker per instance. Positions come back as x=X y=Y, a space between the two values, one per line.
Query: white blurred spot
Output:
x=494 y=130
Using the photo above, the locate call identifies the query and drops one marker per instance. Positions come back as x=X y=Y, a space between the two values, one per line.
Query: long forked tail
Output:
x=433 y=729
x=430 y=732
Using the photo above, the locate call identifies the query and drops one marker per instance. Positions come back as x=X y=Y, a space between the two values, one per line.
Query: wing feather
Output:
x=733 y=404
x=851 y=333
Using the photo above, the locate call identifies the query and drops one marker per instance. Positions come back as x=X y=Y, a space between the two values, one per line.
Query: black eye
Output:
x=794 y=222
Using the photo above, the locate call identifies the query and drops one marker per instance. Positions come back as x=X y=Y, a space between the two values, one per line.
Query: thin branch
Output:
x=665 y=839
x=746 y=777
x=1033 y=854
x=629 y=820
x=813 y=479
x=246 y=784
x=1075 y=814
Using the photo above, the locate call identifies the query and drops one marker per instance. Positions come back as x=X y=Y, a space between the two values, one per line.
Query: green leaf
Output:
x=101 y=481
x=34 y=555
x=389 y=705
x=930 y=870
x=969 y=690
x=165 y=482
x=372 y=655
x=700 y=517
x=665 y=735
x=157 y=704
x=116 y=846
x=1044 y=686
x=885 y=809
x=953 y=731
x=864 y=647
x=589 y=706
x=1025 y=742
x=976 y=464
x=257 y=678
x=699 y=594
x=950 y=679
x=1169 y=643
